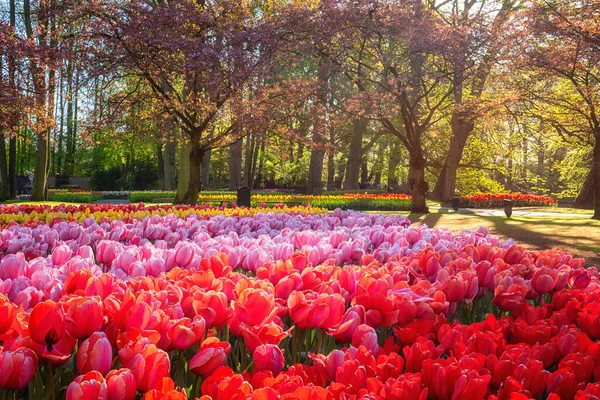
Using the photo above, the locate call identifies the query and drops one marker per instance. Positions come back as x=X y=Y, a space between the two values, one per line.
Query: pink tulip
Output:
x=61 y=254
x=95 y=353
x=268 y=357
x=184 y=255
x=365 y=335
x=106 y=252
x=12 y=266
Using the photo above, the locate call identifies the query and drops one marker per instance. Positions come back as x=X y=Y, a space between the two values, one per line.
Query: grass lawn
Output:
x=580 y=236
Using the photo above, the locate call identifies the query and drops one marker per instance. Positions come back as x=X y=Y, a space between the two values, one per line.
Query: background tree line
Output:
x=432 y=97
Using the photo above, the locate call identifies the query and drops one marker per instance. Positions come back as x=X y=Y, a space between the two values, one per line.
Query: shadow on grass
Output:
x=430 y=219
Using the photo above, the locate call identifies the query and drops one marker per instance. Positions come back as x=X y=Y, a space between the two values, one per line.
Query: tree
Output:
x=393 y=53
x=477 y=43
x=198 y=58
x=563 y=44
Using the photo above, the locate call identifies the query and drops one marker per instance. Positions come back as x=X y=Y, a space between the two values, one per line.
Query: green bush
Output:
x=74 y=197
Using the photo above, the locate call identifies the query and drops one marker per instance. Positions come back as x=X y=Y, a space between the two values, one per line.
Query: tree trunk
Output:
x=446 y=183
x=185 y=149
x=393 y=162
x=70 y=140
x=12 y=150
x=585 y=197
x=261 y=164
x=540 y=164
x=206 y=168
x=4 y=187
x=248 y=160
x=417 y=184
x=12 y=167
x=169 y=164
x=161 y=162
x=364 y=172
x=40 y=175
x=235 y=165
x=596 y=171
x=194 y=184
x=252 y=175
x=59 y=146
x=342 y=167
x=317 y=155
x=355 y=154
x=331 y=159
x=315 y=172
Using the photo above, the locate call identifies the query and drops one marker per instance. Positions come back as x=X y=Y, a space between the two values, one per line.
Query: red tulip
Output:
x=563 y=382
x=8 y=312
x=380 y=309
x=95 y=353
x=184 y=333
x=591 y=392
x=17 y=368
x=89 y=386
x=211 y=355
x=132 y=314
x=353 y=317
x=47 y=323
x=165 y=390
x=420 y=351
x=224 y=384
x=149 y=366
x=130 y=345
x=84 y=316
x=121 y=385
x=213 y=306
x=582 y=365
x=60 y=352
x=268 y=357
x=254 y=336
x=311 y=310
x=588 y=320
x=253 y=307
x=580 y=279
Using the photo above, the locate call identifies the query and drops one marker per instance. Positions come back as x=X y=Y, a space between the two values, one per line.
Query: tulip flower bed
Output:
x=489 y=200
x=175 y=303
x=25 y=213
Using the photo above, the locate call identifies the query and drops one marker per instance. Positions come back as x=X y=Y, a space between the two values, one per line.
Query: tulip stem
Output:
x=321 y=335
x=50 y=393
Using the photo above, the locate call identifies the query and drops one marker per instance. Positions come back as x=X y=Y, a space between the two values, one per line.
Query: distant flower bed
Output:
x=488 y=200
x=115 y=194
x=355 y=201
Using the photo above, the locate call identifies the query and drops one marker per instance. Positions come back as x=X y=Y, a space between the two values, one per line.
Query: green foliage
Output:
x=471 y=181
x=109 y=179
x=145 y=175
